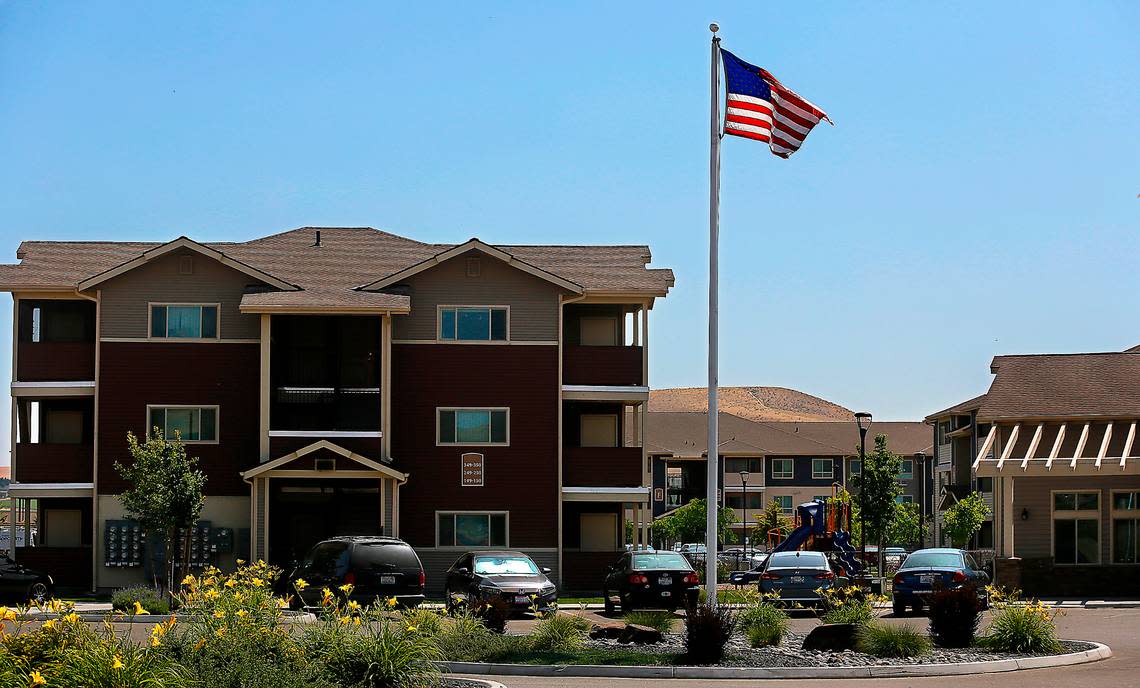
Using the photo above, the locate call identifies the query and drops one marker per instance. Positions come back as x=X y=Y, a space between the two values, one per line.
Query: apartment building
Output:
x=333 y=381
x=786 y=462
x=1060 y=450
x=958 y=435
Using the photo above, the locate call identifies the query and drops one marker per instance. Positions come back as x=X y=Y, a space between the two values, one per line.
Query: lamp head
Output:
x=744 y=476
x=863 y=420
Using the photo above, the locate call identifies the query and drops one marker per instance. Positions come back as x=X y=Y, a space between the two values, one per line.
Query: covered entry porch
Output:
x=594 y=532
x=319 y=491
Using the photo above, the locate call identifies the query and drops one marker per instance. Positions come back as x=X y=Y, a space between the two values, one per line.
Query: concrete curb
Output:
x=480 y=681
x=1096 y=654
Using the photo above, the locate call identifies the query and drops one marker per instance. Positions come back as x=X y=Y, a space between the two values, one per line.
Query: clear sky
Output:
x=977 y=196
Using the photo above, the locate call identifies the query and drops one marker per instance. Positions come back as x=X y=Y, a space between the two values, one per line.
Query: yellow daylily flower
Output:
x=326 y=596
x=241 y=562
x=258 y=582
x=118 y=663
x=211 y=594
x=411 y=629
x=242 y=613
x=7 y=614
x=189 y=580
x=198 y=645
x=230 y=582
x=37 y=679
x=300 y=584
x=356 y=620
x=49 y=624
x=353 y=604
x=219 y=614
x=391 y=601
x=344 y=619
x=139 y=609
x=71 y=617
x=154 y=641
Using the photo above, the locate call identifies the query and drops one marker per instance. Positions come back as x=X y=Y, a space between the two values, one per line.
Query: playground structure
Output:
x=821 y=525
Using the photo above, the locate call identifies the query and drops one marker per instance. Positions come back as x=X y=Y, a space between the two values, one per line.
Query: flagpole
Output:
x=713 y=463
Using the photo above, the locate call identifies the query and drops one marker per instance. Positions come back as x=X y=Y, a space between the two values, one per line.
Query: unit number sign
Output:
x=471 y=470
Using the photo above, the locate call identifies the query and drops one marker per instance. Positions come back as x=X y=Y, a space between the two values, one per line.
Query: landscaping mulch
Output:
x=789 y=653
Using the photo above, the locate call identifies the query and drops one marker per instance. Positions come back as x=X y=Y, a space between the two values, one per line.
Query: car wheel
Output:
x=626 y=605
x=38 y=592
x=898 y=608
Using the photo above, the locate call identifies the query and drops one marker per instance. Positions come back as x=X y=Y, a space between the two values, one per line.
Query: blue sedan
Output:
x=927 y=569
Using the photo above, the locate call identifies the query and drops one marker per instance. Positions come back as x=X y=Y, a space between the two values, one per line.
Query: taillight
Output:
x=825 y=576
x=898 y=579
x=693 y=579
x=350 y=578
x=638 y=579
x=958 y=577
x=423 y=578
x=770 y=576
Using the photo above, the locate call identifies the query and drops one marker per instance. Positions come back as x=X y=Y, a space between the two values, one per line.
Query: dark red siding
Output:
x=55 y=361
x=521 y=478
x=52 y=463
x=134 y=374
x=69 y=567
x=585 y=571
x=601 y=365
x=601 y=466
x=368 y=447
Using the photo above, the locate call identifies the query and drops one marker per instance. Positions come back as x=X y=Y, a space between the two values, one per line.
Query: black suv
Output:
x=378 y=568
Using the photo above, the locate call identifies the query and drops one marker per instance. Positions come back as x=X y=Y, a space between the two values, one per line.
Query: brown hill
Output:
x=753 y=403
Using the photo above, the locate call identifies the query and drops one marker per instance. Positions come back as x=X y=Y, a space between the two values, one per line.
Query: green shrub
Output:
x=885 y=640
x=152 y=600
x=108 y=661
x=662 y=620
x=382 y=655
x=559 y=633
x=427 y=622
x=707 y=631
x=465 y=638
x=856 y=612
x=764 y=624
x=954 y=617
x=1028 y=629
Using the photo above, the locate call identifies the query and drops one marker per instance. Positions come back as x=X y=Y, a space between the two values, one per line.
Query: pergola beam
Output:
x=1128 y=444
x=986 y=446
x=1033 y=445
x=1080 y=446
x=1056 y=446
x=1009 y=445
x=1104 y=444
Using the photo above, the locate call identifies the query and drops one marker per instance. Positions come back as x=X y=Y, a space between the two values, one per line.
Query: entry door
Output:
x=599 y=533
x=599 y=331
x=64 y=527
x=599 y=430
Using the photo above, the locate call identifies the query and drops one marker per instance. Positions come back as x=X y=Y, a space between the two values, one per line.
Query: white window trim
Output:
x=1075 y=515
x=851 y=467
x=830 y=473
x=790 y=476
x=479 y=512
x=446 y=306
x=904 y=499
x=150 y=313
x=1124 y=514
x=791 y=500
x=903 y=473
x=439 y=409
x=217 y=420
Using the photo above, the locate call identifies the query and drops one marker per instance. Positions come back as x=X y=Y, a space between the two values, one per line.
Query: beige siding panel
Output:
x=533 y=301
x=124 y=302
x=1032 y=538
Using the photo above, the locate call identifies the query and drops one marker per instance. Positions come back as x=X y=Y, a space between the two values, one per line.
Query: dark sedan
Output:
x=509 y=576
x=651 y=580
x=928 y=569
x=798 y=577
x=21 y=584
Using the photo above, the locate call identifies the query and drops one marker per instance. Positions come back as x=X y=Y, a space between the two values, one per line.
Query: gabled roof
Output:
x=1095 y=385
x=469 y=245
x=319 y=445
x=959 y=408
x=182 y=243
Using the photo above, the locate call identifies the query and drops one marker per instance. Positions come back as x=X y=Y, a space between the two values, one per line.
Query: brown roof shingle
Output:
x=959 y=408
x=1098 y=385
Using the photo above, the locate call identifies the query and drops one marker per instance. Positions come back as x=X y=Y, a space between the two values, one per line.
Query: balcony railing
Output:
x=52 y=463
x=55 y=361
x=602 y=365
x=601 y=467
x=326 y=408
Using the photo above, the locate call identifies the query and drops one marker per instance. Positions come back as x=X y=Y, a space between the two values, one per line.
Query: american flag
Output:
x=760 y=107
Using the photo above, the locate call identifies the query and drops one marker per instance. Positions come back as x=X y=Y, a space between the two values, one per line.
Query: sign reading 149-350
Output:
x=471 y=470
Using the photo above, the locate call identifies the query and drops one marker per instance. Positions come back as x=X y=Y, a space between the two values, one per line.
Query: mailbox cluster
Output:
x=123 y=544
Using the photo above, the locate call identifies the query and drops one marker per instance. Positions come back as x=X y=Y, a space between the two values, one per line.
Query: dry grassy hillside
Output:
x=753 y=403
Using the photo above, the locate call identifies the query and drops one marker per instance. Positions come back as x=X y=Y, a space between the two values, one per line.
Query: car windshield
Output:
x=660 y=560
x=791 y=560
x=504 y=566
x=941 y=560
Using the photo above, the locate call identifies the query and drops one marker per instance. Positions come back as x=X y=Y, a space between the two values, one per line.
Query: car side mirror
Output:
x=546 y=569
x=463 y=570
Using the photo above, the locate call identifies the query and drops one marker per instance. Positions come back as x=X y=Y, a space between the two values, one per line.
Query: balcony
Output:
x=601 y=467
x=52 y=463
x=602 y=365
x=55 y=361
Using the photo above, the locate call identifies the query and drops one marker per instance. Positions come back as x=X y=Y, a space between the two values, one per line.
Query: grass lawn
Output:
x=566 y=601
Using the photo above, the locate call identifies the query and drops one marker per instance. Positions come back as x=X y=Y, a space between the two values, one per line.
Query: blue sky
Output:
x=977 y=196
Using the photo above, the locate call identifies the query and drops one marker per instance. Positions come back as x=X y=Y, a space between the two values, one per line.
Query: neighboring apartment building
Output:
x=334 y=381
x=787 y=462
x=958 y=435
x=1061 y=449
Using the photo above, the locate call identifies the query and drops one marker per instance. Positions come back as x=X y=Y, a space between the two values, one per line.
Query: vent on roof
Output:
x=317 y=241
x=186 y=265
x=474 y=267
x=324 y=464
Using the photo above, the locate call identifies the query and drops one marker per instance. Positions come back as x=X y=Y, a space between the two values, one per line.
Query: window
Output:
x=465 y=529
x=190 y=423
x=856 y=467
x=785 y=503
x=735 y=500
x=944 y=432
x=735 y=466
x=782 y=469
x=1126 y=527
x=904 y=499
x=184 y=321
x=1076 y=527
x=822 y=469
x=907 y=471
x=472 y=426
x=821 y=498
x=985 y=538
x=473 y=323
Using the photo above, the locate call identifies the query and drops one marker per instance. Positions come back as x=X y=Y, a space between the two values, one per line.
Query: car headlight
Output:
x=547 y=590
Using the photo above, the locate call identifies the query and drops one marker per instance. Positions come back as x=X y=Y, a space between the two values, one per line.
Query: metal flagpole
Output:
x=713 y=463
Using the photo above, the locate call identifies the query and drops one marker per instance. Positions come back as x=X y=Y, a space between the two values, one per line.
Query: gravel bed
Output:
x=789 y=653
x=452 y=682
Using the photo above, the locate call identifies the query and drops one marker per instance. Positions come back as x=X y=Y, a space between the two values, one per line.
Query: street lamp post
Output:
x=744 y=482
x=863 y=420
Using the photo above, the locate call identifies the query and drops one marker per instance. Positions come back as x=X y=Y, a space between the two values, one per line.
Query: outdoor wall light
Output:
x=1024 y=514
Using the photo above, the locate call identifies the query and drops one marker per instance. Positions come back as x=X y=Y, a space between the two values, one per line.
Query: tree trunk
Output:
x=171 y=543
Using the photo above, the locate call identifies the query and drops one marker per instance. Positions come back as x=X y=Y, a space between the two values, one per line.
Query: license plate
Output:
x=665 y=580
x=927 y=579
x=666 y=593
x=797 y=579
x=387 y=580
x=522 y=599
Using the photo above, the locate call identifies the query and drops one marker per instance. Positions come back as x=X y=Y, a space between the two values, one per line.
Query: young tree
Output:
x=878 y=485
x=630 y=531
x=906 y=525
x=687 y=523
x=964 y=519
x=773 y=518
x=165 y=491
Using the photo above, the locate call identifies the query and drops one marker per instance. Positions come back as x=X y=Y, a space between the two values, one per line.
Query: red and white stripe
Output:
x=748 y=116
x=784 y=123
